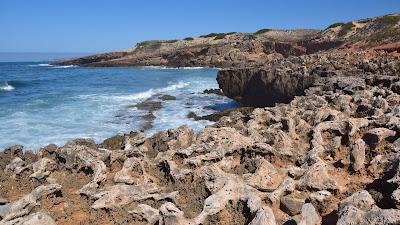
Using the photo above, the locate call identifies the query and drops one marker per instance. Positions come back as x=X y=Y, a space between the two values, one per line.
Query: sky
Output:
x=93 y=26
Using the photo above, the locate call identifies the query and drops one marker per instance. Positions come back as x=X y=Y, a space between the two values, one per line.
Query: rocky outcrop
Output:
x=258 y=87
x=279 y=81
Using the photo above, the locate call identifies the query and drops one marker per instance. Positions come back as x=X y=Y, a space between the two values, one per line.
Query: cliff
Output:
x=244 y=49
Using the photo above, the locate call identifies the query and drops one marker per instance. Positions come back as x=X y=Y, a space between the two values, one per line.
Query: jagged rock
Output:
x=172 y=215
x=179 y=138
x=350 y=215
x=292 y=204
x=266 y=176
x=125 y=174
x=211 y=144
x=361 y=200
x=173 y=172
x=24 y=205
x=147 y=213
x=396 y=87
x=322 y=200
x=396 y=198
x=42 y=168
x=309 y=216
x=357 y=155
x=262 y=87
x=376 y=135
x=317 y=178
x=286 y=187
x=16 y=167
x=38 y=218
x=119 y=195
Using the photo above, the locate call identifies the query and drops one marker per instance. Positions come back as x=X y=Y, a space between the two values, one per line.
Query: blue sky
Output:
x=99 y=25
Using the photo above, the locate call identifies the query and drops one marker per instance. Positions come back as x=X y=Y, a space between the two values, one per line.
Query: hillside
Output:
x=238 y=49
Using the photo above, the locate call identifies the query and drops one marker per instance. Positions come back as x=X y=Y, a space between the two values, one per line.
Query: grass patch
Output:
x=217 y=36
x=336 y=25
x=262 y=31
x=154 y=42
x=390 y=19
x=189 y=39
x=346 y=28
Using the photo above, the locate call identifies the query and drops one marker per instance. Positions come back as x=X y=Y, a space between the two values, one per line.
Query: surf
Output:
x=6 y=87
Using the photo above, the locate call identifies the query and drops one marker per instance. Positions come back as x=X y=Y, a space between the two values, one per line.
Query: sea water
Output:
x=42 y=104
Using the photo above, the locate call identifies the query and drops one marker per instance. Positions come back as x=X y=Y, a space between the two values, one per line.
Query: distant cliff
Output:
x=238 y=49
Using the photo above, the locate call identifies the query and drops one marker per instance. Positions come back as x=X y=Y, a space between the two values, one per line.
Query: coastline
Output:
x=315 y=141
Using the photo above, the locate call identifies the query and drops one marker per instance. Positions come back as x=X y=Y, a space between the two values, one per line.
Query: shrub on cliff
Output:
x=217 y=36
x=189 y=39
x=262 y=31
x=346 y=28
x=391 y=19
x=336 y=25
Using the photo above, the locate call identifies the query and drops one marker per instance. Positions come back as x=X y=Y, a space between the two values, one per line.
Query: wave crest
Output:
x=141 y=95
x=6 y=87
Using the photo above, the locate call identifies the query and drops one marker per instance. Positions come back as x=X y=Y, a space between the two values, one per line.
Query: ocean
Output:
x=42 y=104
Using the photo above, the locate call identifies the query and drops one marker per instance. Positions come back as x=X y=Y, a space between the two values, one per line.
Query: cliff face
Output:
x=260 y=87
x=245 y=49
x=279 y=81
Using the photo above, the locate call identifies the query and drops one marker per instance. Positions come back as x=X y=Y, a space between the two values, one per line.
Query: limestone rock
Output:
x=38 y=218
x=147 y=213
x=357 y=156
x=309 y=216
x=361 y=200
x=292 y=204
x=376 y=135
x=42 y=168
x=24 y=205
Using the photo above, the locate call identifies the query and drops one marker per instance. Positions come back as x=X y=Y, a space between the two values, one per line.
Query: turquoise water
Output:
x=42 y=104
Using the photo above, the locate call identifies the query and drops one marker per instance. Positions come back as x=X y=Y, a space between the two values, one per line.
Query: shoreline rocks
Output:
x=318 y=159
x=324 y=151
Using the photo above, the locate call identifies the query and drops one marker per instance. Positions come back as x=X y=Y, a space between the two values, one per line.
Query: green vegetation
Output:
x=217 y=36
x=154 y=42
x=346 y=28
x=336 y=25
x=189 y=39
x=391 y=19
x=262 y=31
x=169 y=41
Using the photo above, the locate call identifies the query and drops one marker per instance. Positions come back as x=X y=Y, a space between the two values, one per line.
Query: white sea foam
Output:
x=6 y=87
x=172 y=68
x=140 y=95
x=63 y=67
x=41 y=65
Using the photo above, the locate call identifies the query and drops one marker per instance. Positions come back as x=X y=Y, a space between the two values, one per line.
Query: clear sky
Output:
x=99 y=25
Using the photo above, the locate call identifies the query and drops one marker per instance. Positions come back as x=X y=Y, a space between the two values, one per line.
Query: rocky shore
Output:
x=318 y=143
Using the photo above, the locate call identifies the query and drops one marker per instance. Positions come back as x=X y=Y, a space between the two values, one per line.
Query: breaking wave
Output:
x=6 y=87
x=141 y=95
